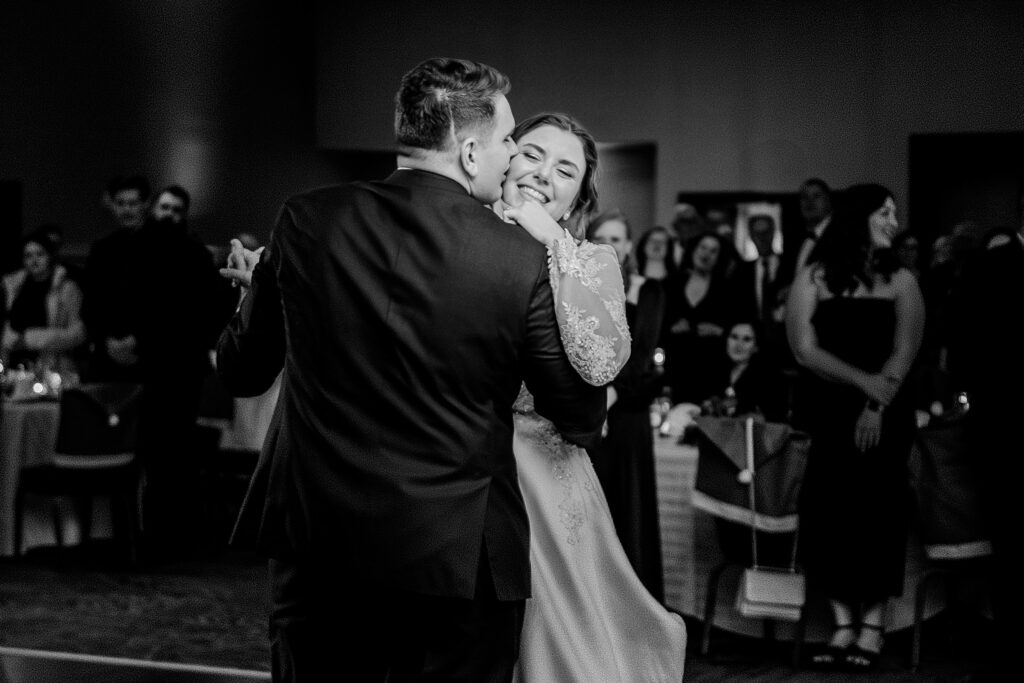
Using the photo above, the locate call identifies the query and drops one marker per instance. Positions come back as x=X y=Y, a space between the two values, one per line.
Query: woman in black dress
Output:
x=624 y=461
x=698 y=304
x=746 y=379
x=854 y=321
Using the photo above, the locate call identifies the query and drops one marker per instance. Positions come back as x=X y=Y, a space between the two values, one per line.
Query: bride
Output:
x=590 y=619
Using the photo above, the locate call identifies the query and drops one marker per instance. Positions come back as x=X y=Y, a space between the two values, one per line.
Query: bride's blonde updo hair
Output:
x=586 y=202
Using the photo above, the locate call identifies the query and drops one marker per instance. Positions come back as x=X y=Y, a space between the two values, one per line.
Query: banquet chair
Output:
x=954 y=531
x=734 y=542
x=728 y=446
x=94 y=456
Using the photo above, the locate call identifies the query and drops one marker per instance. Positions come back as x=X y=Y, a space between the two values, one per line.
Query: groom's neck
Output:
x=442 y=163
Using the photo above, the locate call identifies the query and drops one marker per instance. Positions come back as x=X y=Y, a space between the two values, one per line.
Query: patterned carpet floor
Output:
x=211 y=612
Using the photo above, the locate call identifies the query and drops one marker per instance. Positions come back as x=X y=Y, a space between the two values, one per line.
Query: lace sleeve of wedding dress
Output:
x=590 y=307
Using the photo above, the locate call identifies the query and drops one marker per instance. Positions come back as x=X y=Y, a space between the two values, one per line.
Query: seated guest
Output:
x=747 y=381
x=44 y=324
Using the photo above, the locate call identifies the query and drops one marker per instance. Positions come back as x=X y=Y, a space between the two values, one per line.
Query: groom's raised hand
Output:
x=241 y=262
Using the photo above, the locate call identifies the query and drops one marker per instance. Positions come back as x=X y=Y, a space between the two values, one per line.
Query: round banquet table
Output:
x=28 y=434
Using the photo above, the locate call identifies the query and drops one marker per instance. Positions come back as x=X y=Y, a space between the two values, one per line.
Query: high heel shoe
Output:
x=830 y=656
x=861 y=659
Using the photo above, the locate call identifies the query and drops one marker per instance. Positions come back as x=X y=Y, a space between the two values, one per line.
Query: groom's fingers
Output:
x=238 y=276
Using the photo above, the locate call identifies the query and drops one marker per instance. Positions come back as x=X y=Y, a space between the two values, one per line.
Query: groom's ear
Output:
x=469 y=151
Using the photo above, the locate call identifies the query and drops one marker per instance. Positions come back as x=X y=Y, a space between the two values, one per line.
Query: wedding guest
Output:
x=908 y=252
x=111 y=298
x=760 y=286
x=611 y=227
x=746 y=380
x=653 y=251
x=176 y=326
x=55 y=233
x=172 y=205
x=44 y=325
x=816 y=211
x=624 y=462
x=987 y=316
x=854 y=319
x=697 y=306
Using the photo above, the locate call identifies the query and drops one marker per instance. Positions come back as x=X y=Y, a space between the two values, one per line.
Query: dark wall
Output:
x=736 y=94
x=235 y=99
x=217 y=96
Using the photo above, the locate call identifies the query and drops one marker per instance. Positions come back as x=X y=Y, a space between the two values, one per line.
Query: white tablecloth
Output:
x=28 y=434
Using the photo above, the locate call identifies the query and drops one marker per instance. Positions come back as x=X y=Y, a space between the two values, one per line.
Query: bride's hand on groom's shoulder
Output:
x=533 y=218
x=241 y=262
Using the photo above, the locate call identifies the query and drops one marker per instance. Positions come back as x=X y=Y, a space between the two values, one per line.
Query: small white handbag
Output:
x=767 y=592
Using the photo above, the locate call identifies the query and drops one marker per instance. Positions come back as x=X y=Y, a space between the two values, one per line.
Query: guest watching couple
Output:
x=854 y=320
x=698 y=305
x=111 y=294
x=452 y=160
x=44 y=325
x=175 y=325
x=761 y=286
x=816 y=211
x=746 y=379
x=653 y=254
x=625 y=460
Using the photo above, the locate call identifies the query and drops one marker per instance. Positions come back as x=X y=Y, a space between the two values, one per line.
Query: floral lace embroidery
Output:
x=597 y=354
x=592 y=354
x=570 y=259
x=572 y=510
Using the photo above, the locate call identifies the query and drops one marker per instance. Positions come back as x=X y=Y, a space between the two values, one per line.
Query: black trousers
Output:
x=326 y=626
x=167 y=449
x=996 y=443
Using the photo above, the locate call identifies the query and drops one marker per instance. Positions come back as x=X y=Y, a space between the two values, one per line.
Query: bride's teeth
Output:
x=533 y=193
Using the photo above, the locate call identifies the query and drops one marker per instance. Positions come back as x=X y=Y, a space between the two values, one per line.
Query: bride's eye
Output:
x=531 y=156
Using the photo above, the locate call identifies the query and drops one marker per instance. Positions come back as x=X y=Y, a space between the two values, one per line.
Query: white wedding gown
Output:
x=590 y=620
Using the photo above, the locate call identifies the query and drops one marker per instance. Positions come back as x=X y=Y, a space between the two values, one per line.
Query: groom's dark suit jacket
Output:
x=406 y=316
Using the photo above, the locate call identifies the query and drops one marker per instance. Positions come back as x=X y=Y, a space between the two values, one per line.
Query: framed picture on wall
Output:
x=728 y=213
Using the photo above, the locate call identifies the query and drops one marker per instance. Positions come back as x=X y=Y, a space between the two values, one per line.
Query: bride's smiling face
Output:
x=548 y=170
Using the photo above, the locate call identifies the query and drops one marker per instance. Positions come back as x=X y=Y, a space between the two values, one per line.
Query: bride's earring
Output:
x=565 y=216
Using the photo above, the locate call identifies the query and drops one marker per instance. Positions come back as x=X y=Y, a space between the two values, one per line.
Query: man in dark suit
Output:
x=406 y=316
x=987 y=363
x=760 y=287
x=112 y=299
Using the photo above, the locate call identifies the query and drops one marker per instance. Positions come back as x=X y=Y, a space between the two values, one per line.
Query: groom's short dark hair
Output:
x=442 y=97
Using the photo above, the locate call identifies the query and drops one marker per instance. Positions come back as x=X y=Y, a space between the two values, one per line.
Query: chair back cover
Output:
x=98 y=419
x=780 y=458
x=948 y=488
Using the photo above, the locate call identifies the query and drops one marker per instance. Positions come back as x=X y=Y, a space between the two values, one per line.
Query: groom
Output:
x=406 y=316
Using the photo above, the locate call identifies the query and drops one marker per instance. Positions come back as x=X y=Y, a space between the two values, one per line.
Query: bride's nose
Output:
x=542 y=173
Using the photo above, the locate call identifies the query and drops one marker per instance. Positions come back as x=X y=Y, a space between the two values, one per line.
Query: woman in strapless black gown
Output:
x=854 y=320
